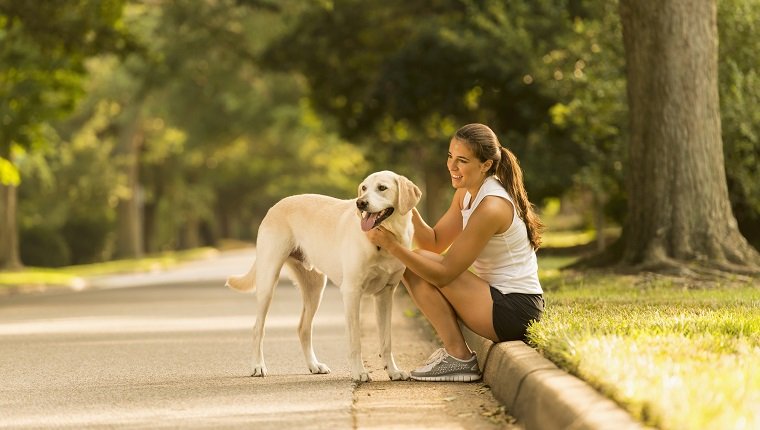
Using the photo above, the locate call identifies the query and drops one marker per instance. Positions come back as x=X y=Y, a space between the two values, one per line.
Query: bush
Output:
x=43 y=247
x=86 y=238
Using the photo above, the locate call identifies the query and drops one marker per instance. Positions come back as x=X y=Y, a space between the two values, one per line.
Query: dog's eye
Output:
x=382 y=187
x=364 y=188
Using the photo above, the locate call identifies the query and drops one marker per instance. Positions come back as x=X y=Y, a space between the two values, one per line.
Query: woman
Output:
x=490 y=226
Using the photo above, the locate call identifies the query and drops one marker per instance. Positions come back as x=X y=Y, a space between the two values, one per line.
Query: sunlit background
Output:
x=134 y=127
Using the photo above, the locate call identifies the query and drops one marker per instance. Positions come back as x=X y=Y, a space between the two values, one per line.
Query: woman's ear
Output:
x=408 y=194
x=486 y=166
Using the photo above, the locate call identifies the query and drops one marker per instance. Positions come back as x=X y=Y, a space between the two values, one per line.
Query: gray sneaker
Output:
x=440 y=366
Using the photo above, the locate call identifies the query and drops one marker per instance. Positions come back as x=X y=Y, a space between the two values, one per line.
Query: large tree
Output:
x=679 y=217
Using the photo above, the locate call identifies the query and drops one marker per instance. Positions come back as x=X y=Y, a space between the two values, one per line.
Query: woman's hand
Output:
x=382 y=237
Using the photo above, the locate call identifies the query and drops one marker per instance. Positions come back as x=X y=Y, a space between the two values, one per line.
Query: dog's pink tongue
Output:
x=368 y=221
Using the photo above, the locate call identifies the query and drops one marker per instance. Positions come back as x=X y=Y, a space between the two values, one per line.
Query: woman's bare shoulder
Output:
x=495 y=210
x=458 y=199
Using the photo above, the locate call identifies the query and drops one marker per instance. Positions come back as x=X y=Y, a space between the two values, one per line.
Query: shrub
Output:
x=44 y=247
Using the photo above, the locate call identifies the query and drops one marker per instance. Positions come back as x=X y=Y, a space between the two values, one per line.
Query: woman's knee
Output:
x=414 y=284
x=412 y=281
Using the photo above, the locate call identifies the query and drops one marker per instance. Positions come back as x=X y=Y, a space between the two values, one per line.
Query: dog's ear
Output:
x=408 y=194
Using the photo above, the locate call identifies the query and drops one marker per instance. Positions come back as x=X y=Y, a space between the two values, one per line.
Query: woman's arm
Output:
x=491 y=216
x=438 y=238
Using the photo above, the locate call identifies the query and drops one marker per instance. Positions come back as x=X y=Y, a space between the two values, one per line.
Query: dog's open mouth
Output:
x=372 y=220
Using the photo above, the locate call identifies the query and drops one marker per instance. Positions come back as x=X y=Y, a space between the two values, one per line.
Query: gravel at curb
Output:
x=539 y=394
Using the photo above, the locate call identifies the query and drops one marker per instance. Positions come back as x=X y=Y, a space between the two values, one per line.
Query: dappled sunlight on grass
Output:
x=37 y=276
x=675 y=381
x=564 y=239
x=72 y=275
x=675 y=357
x=549 y=267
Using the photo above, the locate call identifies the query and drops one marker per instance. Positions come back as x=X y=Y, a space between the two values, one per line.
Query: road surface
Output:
x=172 y=350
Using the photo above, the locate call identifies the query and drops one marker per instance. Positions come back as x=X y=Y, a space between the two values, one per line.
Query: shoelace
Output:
x=436 y=356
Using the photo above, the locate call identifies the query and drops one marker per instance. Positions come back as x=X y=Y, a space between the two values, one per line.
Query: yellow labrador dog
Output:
x=319 y=237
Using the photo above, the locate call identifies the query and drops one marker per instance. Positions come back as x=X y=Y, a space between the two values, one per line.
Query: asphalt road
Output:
x=172 y=350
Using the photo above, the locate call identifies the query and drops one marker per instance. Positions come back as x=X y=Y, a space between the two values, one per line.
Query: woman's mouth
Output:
x=456 y=177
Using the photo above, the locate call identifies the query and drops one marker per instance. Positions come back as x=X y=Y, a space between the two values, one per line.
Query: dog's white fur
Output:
x=319 y=237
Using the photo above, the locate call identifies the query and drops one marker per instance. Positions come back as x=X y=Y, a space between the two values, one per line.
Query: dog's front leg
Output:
x=383 y=312
x=352 y=298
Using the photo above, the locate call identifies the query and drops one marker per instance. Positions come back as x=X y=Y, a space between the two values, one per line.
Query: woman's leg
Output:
x=467 y=298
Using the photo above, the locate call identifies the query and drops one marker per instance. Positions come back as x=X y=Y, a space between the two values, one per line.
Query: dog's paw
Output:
x=259 y=371
x=319 y=368
x=398 y=375
x=361 y=377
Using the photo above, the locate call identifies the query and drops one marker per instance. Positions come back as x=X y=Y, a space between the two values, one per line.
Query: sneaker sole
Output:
x=461 y=377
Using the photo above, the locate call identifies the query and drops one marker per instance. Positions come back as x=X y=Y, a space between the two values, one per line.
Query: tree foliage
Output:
x=43 y=46
x=739 y=68
x=402 y=76
x=213 y=130
x=209 y=111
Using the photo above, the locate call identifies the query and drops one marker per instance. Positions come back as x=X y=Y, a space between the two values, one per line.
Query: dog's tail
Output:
x=244 y=283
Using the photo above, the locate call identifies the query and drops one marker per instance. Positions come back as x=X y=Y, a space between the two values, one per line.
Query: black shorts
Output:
x=513 y=312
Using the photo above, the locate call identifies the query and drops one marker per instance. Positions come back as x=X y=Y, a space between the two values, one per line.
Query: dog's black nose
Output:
x=362 y=204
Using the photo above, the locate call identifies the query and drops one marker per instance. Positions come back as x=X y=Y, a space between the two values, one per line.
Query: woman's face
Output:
x=465 y=168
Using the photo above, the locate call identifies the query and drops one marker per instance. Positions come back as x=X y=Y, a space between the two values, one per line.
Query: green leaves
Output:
x=43 y=46
x=236 y=103
x=9 y=174
x=739 y=26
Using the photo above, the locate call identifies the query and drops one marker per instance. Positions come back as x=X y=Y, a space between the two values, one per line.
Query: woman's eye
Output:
x=382 y=187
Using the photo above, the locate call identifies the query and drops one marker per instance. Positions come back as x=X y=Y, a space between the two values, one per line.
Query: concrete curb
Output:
x=541 y=395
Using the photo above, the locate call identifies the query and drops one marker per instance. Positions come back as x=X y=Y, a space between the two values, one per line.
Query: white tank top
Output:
x=508 y=261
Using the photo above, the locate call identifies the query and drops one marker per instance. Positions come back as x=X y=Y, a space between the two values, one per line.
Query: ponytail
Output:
x=510 y=174
x=484 y=143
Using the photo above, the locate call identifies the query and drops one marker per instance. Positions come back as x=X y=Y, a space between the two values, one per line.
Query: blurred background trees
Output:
x=170 y=124
x=43 y=48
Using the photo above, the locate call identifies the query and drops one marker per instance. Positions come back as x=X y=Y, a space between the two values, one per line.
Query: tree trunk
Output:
x=129 y=243
x=599 y=220
x=9 y=247
x=191 y=233
x=434 y=183
x=435 y=204
x=679 y=214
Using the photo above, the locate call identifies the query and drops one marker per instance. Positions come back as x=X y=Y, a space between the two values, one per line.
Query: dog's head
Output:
x=383 y=194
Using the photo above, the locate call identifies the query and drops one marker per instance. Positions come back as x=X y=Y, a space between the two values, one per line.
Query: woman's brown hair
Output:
x=485 y=145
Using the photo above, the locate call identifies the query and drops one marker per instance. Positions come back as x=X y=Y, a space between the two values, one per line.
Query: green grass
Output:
x=564 y=239
x=676 y=357
x=74 y=275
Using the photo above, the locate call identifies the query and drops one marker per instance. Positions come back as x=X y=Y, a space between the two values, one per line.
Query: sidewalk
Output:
x=539 y=394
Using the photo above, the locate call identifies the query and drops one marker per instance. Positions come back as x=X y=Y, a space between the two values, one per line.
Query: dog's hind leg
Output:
x=383 y=313
x=271 y=253
x=312 y=284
